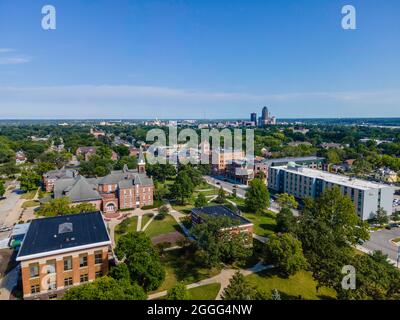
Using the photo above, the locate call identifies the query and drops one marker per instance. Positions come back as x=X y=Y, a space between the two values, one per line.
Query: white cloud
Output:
x=12 y=59
x=6 y=50
x=150 y=101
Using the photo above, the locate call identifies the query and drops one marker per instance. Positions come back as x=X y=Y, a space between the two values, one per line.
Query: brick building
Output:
x=61 y=252
x=50 y=177
x=122 y=189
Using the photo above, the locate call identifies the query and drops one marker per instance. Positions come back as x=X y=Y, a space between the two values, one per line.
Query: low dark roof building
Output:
x=56 y=235
x=220 y=211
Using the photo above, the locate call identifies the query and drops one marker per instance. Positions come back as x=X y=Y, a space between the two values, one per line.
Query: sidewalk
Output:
x=223 y=278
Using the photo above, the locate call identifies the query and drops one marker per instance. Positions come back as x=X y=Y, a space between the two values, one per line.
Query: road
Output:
x=380 y=240
x=240 y=191
x=10 y=209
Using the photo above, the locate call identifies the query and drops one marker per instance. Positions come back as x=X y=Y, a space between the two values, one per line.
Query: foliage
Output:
x=219 y=245
x=328 y=229
x=376 y=279
x=287 y=200
x=106 y=288
x=2 y=188
x=63 y=206
x=201 y=200
x=29 y=180
x=221 y=198
x=257 y=196
x=178 y=292
x=284 y=251
x=183 y=187
x=285 y=220
x=161 y=172
x=238 y=289
x=381 y=216
x=142 y=259
x=96 y=167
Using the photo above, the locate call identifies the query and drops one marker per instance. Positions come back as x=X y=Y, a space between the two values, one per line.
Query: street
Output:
x=380 y=240
x=240 y=191
x=10 y=209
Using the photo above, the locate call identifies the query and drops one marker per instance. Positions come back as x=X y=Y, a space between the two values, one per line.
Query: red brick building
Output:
x=120 y=190
x=61 y=252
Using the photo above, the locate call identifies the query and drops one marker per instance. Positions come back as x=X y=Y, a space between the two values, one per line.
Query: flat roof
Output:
x=334 y=178
x=63 y=233
x=292 y=159
x=221 y=211
x=20 y=229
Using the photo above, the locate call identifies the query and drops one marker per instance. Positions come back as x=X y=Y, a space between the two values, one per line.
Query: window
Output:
x=51 y=266
x=68 y=282
x=83 y=261
x=98 y=257
x=99 y=274
x=84 y=278
x=52 y=297
x=67 y=263
x=35 y=289
x=34 y=270
x=51 y=284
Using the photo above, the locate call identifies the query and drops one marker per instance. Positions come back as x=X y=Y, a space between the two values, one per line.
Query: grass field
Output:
x=146 y=218
x=30 y=204
x=128 y=225
x=207 y=292
x=299 y=286
x=180 y=266
x=157 y=227
x=29 y=195
x=264 y=223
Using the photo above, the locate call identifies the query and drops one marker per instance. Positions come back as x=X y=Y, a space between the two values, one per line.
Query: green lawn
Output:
x=158 y=227
x=128 y=225
x=207 y=292
x=264 y=223
x=146 y=218
x=299 y=286
x=29 y=195
x=30 y=204
x=181 y=266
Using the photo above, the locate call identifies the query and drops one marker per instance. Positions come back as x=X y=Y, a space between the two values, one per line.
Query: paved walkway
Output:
x=223 y=279
x=177 y=216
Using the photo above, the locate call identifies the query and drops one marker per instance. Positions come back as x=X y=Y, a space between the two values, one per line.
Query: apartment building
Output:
x=302 y=182
x=61 y=252
x=222 y=157
x=312 y=162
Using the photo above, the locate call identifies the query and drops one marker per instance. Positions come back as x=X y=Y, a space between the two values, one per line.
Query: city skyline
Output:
x=179 y=60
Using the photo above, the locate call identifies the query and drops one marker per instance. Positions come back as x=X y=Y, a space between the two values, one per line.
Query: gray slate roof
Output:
x=77 y=189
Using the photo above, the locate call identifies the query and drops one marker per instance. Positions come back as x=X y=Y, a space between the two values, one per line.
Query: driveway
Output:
x=240 y=191
x=380 y=240
x=9 y=208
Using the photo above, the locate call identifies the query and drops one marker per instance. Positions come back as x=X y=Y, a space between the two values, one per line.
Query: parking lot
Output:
x=380 y=240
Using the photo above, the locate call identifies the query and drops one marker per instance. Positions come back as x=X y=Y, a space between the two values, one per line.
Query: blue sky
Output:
x=196 y=59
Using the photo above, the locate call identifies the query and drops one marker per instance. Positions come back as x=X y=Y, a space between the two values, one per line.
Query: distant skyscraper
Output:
x=253 y=118
x=266 y=118
x=265 y=114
